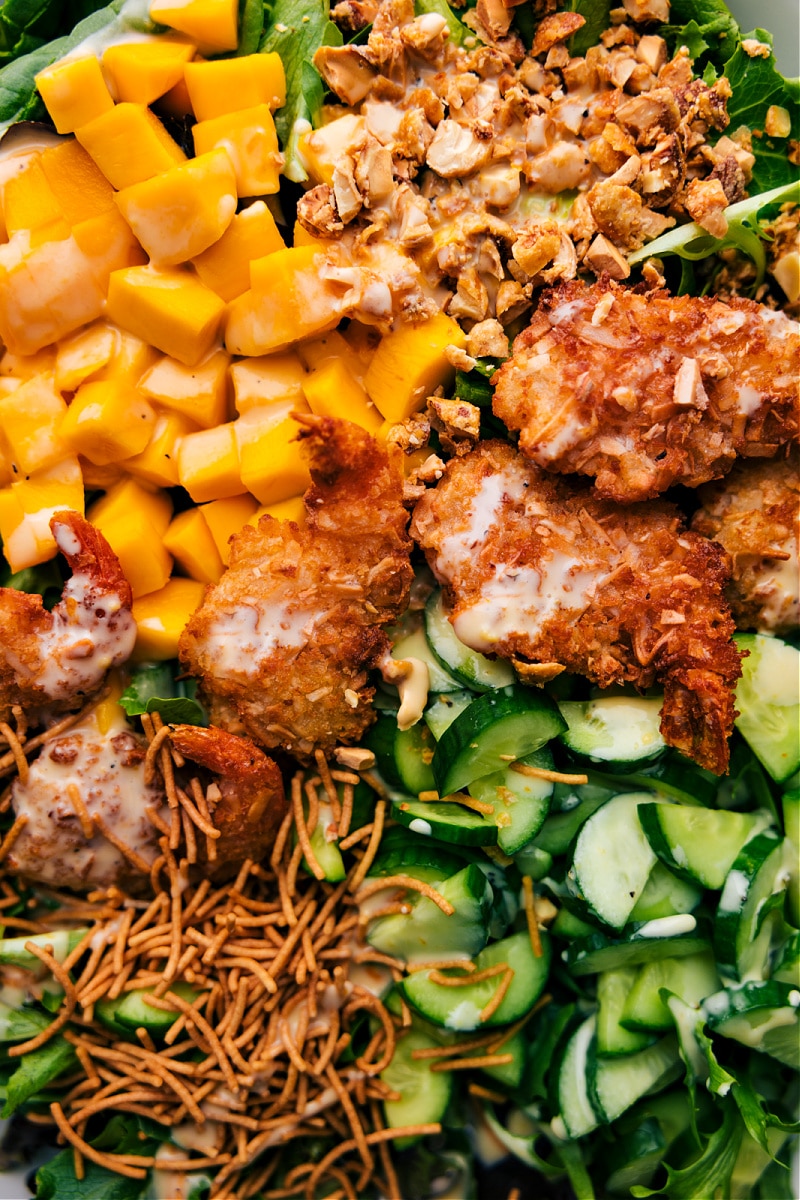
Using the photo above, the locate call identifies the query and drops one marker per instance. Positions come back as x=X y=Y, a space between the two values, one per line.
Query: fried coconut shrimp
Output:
x=283 y=643
x=55 y=659
x=642 y=391
x=755 y=514
x=545 y=573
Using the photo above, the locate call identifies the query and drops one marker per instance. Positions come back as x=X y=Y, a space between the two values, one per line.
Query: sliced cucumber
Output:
x=614 y=1084
x=60 y=943
x=700 y=844
x=459 y=1008
x=530 y=860
x=764 y=1016
x=612 y=992
x=495 y=729
x=444 y=709
x=692 y=978
x=670 y=775
x=791 y=827
x=614 y=729
x=402 y=852
x=413 y=751
x=787 y=965
x=447 y=821
x=572 y=1087
x=665 y=895
x=427 y=933
x=612 y=859
x=570 y=808
x=520 y=802
x=415 y=645
x=424 y=1094
x=768 y=702
x=133 y=1012
x=477 y=671
x=569 y=926
x=327 y=853
x=510 y=1074
x=668 y=937
x=752 y=896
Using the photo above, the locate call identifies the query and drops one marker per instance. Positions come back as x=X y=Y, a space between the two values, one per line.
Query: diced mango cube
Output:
x=80 y=356
x=200 y=393
x=25 y=366
x=213 y=24
x=27 y=506
x=74 y=92
x=227 y=84
x=6 y=473
x=29 y=203
x=143 y=71
x=49 y=292
x=109 y=245
x=176 y=102
x=225 y=266
x=101 y=478
x=302 y=237
x=225 y=518
x=183 y=211
x=331 y=391
x=321 y=149
x=129 y=496
x=316 y=352
x=79 y=186
x=158 y=462
x=161 y=618
x=129 y=144
x=268 y=380
x=287 y=301
x=293 y=509
x=169 y=308
x=107 y=421
x=189 y=541
x=249 y=137
x=145 y=562
x=29 y=425
x=208 y=464
x=410 y=363
x=130 y=359
x=273 y=467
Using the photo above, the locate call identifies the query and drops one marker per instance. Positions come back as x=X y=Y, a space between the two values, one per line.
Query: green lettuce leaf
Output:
x=706 y=27
x=153 y=688
x=43 y=580
x=251 y=26
x=457 y=31
x=598 y=20
x=757 y=85
x=19 y=1024
x=36 y=1070
x=758 y=1121
x=709 y=1174
x=56 y=1180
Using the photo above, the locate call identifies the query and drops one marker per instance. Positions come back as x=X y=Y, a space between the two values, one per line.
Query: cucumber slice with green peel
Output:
x=692 y=978
x=764 y=1016
x=530 y=860
x=415 y=645
x=476 y=670
x=570 y=808
x=424 y=1094
x=495 y=729
x=699 y=844
x=60 y=943
x=520 y=802
x=426 y=933
x=787 y=962
x=327 y=853
x=510 y=1074
x=791 y=827
x=133 y=1012
x=444 y=709
x=460 y=1008
x=768 y=702
x=413 y=751
x=569 y=926
x=379 y=738
x=665 y=895
x=670 y=775
x=614 y=729
x=572 y=1082
x=105 y=1012
x=614 y=1084
x=749 y=907
x=612 y=859
x=612 y=991
x=667 y=937
x=449 y=822
x=409 y=855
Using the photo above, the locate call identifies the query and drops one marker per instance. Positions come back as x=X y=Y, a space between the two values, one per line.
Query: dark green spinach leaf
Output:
x=36 y=1070
x=154 y=688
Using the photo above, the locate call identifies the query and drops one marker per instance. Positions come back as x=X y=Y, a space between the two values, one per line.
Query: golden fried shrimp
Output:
x=755 y=514
x=642 y=391
x=283 y=643
x=55 y=659
x=545 y=573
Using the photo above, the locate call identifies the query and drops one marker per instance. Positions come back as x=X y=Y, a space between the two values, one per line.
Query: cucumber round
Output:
x=767 y=699
x=663 y=938
x=133 y=1012
x=427 y=933
x=520 y=802
x=415 y=645
x=401 y=852
x=787 y=964
x=700 y=844
x=614 y=1084
x=510 y=1074
x=612 y=859
x=612 y=1037
x=570 y=807
x=614 y=729
x=413 y=751
x=444 y=709
x=752 y=896
x=692 y=978
x=447 y=822
x=475 y=670
x=424 y=1094
x=571 y=1087
x=665 y=895
x=764 y=1016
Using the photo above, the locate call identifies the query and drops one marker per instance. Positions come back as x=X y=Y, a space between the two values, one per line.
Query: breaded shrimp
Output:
x=543 y=572
x=642 y=391
x=282 y=644
x=56 y=659
x=755 y=514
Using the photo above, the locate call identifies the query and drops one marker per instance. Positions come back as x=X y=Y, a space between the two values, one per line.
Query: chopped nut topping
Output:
x=706 y=203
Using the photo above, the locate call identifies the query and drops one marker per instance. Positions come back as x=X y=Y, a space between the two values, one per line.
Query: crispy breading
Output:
x=283 y=643
x=540 y=570
x=755 y=514
x=642 y=391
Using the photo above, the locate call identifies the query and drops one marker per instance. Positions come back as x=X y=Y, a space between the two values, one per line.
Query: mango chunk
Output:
x=213 y=24
x=142 y=71
x=6 y=473
x=131 y=357
x=100 y=478
x=287 y=301
x=272 y=379
x=158 y=462
x=225 y=266
x=26 y=366
x=200 y=393
x=74 y=92
x=302 y=237
x=29 y=425
x=107 y=421
x=79 y=186
x=27 y=506
x=249 y=137
x=227 y=84
x=272 y=465
x=169 y=308
x=189 y=541
x=130 y=496
x=29 y=203
x=47 y=293
x=109 y=245
x=80 y=356
x=321 y=149
x=410 y=364
x=208 y=464
x=224 y=518
x=129 y=144
x=183 y=211
x=147 y=565
x=161 y=618
x=316 y=352
x=293 y=509
x=331 y=391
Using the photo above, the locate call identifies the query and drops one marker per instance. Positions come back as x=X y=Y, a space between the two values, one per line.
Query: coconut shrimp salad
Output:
x=399 y=658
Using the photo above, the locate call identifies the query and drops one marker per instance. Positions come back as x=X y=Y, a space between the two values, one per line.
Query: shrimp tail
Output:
x=88 y=553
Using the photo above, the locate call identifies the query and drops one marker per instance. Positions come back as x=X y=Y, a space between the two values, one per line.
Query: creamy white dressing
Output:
x=241 y=639
x=668 y=926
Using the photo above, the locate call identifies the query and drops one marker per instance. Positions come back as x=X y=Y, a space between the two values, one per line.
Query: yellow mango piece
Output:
x=130 y=359
x=79 y=186
x=316 y=352
x=100 y=478
x=129 y=496
x=208 y=464
x=83 y=354
x=161 y=618
x=227 y=84
x=249 y=137
x=225 y=266
x=321 y=149
x=176 y=102
x=331 y=391
x=145 y=562
x=293 y=509
x=287 y=301
x=29 y=425
x=273 y=467
x=142 y=71
x=129 y=144
x=29 y=201
x=200 y=393
x=158 y=462
x=109 y=245
x=26 y=366
x=301 y=237
x=363 y=342
x=74 y=92
x=6 y=473
x=107 y=421
x=27 y=506
x=410 y=364
x=190 y=543
x=268 y=380
x=48 y=293
x=182 y=212
x=213 y=24
x=169 y=308
x=224 y=518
